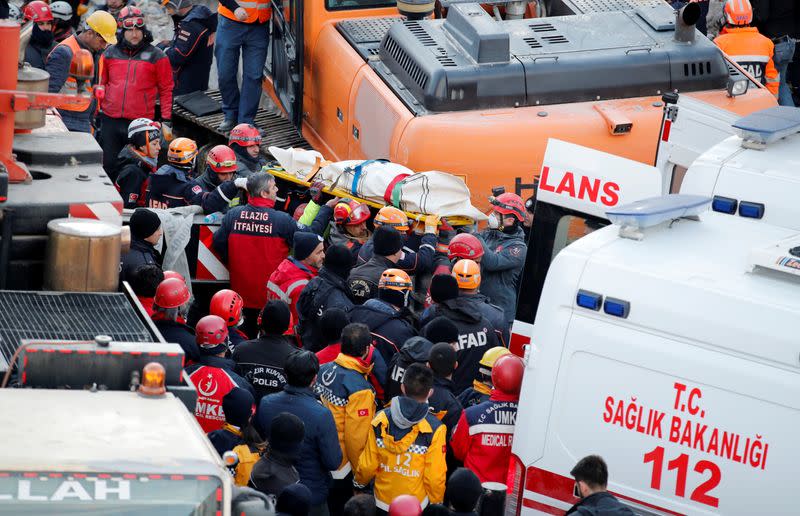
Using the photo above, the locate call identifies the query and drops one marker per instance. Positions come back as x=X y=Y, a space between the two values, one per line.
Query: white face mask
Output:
x=494 y=221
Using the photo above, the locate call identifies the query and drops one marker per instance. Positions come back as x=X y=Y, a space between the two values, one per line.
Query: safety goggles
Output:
x=134 y=22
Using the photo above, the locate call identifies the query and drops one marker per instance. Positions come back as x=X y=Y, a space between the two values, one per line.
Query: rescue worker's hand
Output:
x=166 y=130
x=241 y=182
x=432 y=224
x=315 y=191
x=100 y=92
x=240 y=14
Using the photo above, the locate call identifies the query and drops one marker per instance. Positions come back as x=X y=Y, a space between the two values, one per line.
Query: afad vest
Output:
x=258 y=11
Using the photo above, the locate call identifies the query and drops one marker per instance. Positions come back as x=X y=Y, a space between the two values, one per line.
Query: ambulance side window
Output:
x=569 y=229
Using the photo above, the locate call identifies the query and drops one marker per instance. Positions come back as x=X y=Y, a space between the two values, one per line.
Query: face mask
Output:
x=494 y=221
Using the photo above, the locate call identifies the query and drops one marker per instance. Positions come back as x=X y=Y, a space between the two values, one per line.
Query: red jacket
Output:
x=214 y=378
x=288 y=281
x=133 y=80
x=482 y=438
x=329 y=353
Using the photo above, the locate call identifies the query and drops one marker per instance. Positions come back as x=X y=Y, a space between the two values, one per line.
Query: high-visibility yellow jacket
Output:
x=410 y=461
x=345 y=391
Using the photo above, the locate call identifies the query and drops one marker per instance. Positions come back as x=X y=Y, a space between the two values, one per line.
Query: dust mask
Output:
x=494 y=221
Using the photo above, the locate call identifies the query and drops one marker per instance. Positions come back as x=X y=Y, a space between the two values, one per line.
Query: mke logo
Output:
x=583 y=188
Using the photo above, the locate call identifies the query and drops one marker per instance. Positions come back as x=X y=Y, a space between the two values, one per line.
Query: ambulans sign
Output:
x=590 y=181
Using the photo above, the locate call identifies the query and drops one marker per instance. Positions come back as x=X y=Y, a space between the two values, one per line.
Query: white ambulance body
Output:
x=674 y=354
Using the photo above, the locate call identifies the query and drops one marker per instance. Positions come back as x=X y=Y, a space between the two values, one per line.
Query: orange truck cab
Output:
x=479 y=97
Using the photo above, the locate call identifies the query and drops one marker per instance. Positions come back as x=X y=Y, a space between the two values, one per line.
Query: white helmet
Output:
x=141 y=125
x=61 y=10
x=14 y=13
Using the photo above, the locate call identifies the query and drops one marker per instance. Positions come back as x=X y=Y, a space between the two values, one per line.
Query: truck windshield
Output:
x=126 y=494
x=341 y=5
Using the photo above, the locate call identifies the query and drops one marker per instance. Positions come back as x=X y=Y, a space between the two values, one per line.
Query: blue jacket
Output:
x=390 y=328
x=320 y=452
x=501 y=268
x=189 y=52
x=600 y=504
x=57 y=65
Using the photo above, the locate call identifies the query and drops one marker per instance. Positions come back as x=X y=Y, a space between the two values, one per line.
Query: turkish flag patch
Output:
x=363 y=412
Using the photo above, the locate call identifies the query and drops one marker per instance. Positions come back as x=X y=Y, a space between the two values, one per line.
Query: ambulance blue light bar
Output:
x=753 y=210
x=655 y=210
x=724 y=204
x=768 y=125
x=590 y=300
x=617 y=307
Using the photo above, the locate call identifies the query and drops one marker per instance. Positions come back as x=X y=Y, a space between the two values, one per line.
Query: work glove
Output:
x=316 y=193
x=100 y=92
x=241 y=182
x=166 y=131
x=240 y=14
x=432 y=224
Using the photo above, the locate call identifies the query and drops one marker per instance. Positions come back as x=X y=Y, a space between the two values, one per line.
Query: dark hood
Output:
x=407 y=412
x=209 y=180
x=416 y=350
x=460 y=309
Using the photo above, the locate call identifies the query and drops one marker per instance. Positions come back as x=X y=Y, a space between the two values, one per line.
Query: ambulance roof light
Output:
x=759 y=129
x=650 y=212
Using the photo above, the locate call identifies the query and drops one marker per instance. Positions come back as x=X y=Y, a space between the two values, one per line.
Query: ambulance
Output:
x=666 y=341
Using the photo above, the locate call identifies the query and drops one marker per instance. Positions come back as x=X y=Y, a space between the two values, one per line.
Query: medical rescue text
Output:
x=686 y=427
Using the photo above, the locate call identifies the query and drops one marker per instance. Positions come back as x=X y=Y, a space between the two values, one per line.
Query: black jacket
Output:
x=218 y=194
x=36 y=55
x=775 y=18
x=363 y=280
x=415 y=350
x=327 y=290
x=261 y=361
x=476 y=335
x=224 y=440
x=140 y=253
x=180 y=334
x=245 y=165
x=133 y=175
x=444 y=404
x=273 y=472
x=419 y=252
x=492 y=312
x=189 y=52
x=390 y=328
x=600 y=504
x=470 y=397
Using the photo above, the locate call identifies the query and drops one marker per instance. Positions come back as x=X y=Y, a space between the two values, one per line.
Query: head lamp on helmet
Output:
x=509 y=204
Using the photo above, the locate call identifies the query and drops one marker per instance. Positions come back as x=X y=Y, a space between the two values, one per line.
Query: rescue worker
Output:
x=227 y=304
x=327 y=290
x=465 y=246
x=245 y=140
x=146 y=232
x=468 y=276
x=418 y=250
x=192 y=47
x=293 y=274
x=320 y=452
x=331 y=324
x=133 y=74
x=144 y=282
x=213 y=374
x=260 y=361
x=441 y=329
x=388 y=249
x=751 y=50
x=237 y=406
x=591 y=482
x=343 y=387
x=415 y=350
x=137 y=161
x=62 y=20
x=170 y=306
x=463 y=493
x=405 y=452
x=444 y=405
x=41 y=42
x=388 y=316
x=350 y=226
x=482 y=438
x=101 y=31
x=220 y=189
x=171 y=186
x=241 y=27
x=275 y=470
x=254 y=239
x=477 y=332
x=504 y=253
x=482 y=384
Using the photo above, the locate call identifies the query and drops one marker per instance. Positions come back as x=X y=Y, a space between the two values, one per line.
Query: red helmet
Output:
x=298 y=212
x=173 y=274
x=228 y=305
x=509 y=204
x=350 y=213
x=171 y=293
x=130 y=17
x=211 y=331
x=221 y=159
x=244 y=135
x=37 y=11
x=507 y=374
x=405 y=505
x=465 y=245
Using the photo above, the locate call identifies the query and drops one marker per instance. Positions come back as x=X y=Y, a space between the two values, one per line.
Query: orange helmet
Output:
x=171 y=293
x=467 y=273
x=395 y=279
x=221 y=159
x=227 y=304
x=465 y=245
x=738 y=12
x=182 y=152
x=350 y=213
x=244 y=135
x=509 y=204
x=507 y=374
x=391 y=216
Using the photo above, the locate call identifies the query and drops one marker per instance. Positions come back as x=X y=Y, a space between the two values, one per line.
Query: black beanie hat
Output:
x=443 y=287
x=143 y=223
x=237 y=406
x=395 y=297
x=305 y=243
x=286 y=433
x=386 y=240
x=441 y=329
x=275 y=317
x=463 y=490
x=332 y=323
x=339 y=260
x=294 y=500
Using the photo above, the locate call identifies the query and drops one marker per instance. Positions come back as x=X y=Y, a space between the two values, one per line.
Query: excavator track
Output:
x=278 y=131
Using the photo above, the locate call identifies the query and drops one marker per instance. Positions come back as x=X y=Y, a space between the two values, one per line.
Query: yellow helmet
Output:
x=490 y=357
x=104 y=24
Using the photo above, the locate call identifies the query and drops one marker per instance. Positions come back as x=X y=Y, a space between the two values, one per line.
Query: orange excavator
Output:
x=479 y=96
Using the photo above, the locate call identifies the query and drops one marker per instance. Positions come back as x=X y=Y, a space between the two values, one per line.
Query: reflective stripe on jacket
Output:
x=258 y=11
x=753 y=52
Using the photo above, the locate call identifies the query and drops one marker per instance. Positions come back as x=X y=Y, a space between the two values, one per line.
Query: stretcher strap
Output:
x=359 y=169
x=388 y=194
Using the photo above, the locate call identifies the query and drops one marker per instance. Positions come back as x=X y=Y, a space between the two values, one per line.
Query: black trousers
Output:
x=113 y=136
